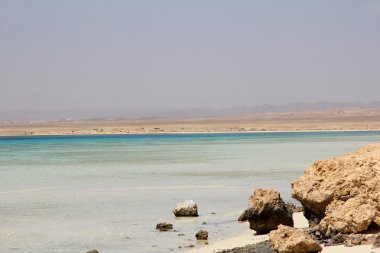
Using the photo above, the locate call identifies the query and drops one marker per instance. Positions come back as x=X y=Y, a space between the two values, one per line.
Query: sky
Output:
x=184 y=54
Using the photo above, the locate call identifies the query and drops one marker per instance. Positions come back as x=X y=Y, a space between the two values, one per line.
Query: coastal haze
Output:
x=95 y=56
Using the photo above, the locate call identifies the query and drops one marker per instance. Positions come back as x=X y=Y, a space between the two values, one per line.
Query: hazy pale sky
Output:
x=85 y=54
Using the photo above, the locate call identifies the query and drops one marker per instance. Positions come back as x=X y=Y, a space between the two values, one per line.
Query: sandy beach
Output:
x=327 y=120
x=247 y=237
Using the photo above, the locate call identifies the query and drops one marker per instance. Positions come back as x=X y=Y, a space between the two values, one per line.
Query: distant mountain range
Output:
x=162 y=113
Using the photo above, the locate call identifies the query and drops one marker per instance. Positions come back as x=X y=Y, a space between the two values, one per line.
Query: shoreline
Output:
x=276 y=122
x=310 y=121
x=194 y=132
x=248 y=237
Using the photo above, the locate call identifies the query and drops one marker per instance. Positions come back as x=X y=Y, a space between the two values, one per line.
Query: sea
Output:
x=108 y=192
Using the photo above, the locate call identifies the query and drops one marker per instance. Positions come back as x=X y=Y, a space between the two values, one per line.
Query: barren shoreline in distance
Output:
x=327 y=120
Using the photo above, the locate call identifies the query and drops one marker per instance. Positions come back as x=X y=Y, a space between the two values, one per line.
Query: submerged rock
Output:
x=267 y=210
x=292 y=240
x=188 y=208
x=343 y=183
x=201 y=235
x=164 y=226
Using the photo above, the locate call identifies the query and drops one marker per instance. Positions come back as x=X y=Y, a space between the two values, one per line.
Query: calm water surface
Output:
x=75 y=193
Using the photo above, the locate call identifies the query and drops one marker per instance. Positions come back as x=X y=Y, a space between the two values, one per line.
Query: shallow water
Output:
x=75 y=193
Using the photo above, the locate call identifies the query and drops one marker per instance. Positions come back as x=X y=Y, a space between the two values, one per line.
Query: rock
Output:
x=313 y=233
x=352 y=216
x=243 y=216
x=334 y=240
x=261 y=247
x=354 y=239
x=338 y=239
x=339 y=180
x=294 y=209
x=93 y=251
x=188 y=208
x=376 y=242
x=201 y=235
x=292 y=240
x=267 y=210
x=164 y=226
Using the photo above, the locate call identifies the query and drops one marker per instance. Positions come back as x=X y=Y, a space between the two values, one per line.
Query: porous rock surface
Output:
x=267 y=210
x=343 y=192
x=164 y=226
x=352 y=216
x=292 y=240
x=188 y=208
x=201 y=235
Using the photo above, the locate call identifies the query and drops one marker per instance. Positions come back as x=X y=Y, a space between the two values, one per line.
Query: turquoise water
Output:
x=75 y=193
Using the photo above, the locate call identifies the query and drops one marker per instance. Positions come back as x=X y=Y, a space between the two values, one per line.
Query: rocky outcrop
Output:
x=292 y=240
x=188 y=208
x=201 y=235
x=267 y=210
x=343 y=192
x=164 y=226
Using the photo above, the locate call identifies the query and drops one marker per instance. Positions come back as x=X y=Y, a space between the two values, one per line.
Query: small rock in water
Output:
x=201 y=235
x=213 y=213
x=93 y=251
x=164 y=226
x=181 y=234
x=188 y=208
x=204 y=223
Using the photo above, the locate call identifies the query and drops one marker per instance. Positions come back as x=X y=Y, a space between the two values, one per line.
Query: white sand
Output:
x=249 y=237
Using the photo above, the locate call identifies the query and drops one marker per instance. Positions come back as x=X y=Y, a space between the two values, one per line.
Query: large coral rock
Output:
x=186 y=209
x=353 y=216
x=352 y=176
x=267 y=210
x=292 y=240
